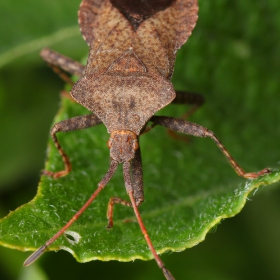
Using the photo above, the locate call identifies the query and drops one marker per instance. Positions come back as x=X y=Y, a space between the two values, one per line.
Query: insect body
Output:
x=126 y=80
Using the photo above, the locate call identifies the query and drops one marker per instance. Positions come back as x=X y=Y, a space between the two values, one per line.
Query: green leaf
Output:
x=182 y=202
x=233 y=59
x=29 y=26
x=21 y=36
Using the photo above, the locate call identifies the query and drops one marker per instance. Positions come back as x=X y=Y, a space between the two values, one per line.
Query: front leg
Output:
x=186 y=127
x=137 y=184
x=76 y=123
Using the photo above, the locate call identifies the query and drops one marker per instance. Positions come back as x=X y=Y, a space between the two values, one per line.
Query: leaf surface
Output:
x=184 y=197
x=225 y=59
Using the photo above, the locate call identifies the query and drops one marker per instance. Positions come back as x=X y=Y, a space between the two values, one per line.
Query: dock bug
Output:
x=133 y=45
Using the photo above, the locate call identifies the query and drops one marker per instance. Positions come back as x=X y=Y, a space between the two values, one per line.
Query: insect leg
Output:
x=59 y=62
x=186 y=127
x=187 y=98
x=114 y=200
x=72 y=124
x=137 y=183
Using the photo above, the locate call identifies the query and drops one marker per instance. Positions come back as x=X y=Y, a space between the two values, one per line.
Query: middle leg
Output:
x=185 y=98
x=76 y=123
x=186 y=127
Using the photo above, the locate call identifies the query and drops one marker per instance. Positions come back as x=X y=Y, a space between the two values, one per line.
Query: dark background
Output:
x=233 y=58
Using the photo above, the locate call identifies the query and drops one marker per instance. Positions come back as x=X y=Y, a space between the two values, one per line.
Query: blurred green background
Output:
x=233 y=58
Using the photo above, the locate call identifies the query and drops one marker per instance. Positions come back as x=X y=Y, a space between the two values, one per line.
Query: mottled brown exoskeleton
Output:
x=125 y=82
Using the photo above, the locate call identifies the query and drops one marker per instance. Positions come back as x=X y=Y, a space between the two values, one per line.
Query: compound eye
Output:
x=135 y=145
x=109 y=143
